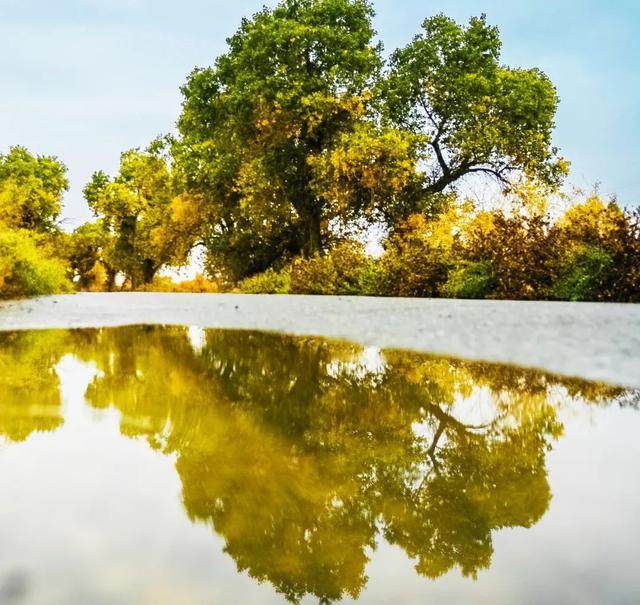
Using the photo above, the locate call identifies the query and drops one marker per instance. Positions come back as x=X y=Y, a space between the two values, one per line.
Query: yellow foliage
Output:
x=593 y=216
x=97 y=278
x=198 y=285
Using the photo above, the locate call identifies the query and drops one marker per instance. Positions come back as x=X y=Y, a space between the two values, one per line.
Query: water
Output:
x=181 y=466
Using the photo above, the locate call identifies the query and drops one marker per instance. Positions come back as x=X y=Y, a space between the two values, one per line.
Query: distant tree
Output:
x=478 y=116
x=31 y=189
x=136 y=208
x=89 y=248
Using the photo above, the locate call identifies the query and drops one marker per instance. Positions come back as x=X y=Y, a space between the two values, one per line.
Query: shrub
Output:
x=416 y=260
x=522 y=251
x=25 y=269
x=592 y=252
x=471 y=280
x=602 y=252
x=346 y=270
x=370 y=278
x=198 y=285
x=269 y=282
x=585 y=274
x=624 y=285
x=316 y=275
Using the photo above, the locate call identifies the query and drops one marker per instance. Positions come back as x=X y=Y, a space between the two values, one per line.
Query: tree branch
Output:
x=447 y=419
x=498 y=174
x=443 y=164
x=446 y=179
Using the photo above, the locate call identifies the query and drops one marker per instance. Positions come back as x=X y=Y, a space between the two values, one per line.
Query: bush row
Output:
x=590 y=253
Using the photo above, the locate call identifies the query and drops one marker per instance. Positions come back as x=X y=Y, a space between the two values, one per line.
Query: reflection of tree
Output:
x=297 y=452
x=29 y=386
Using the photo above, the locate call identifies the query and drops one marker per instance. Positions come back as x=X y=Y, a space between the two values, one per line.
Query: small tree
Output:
x=137 y=208
x=31 y=189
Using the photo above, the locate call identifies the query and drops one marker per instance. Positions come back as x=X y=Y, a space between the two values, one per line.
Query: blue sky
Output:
x=86 y=79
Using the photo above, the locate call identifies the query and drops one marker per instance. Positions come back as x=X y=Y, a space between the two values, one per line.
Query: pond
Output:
x=175 y=465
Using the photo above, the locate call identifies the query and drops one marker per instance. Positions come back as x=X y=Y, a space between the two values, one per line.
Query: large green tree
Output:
x=295 y=78
x=478 y=116
x=293 y=134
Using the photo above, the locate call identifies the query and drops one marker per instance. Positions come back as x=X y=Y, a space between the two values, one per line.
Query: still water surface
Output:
x=173 y=465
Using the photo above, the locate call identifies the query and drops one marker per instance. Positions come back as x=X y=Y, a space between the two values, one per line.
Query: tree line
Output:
x=301 y=139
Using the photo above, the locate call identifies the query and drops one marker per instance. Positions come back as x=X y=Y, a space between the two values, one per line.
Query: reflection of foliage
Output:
x=29 y=386
x=300 y=452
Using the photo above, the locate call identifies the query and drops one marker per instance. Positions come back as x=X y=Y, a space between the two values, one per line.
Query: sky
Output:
x=87 y=79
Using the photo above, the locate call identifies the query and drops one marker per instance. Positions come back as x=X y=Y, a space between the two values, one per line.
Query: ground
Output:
x=591 y=341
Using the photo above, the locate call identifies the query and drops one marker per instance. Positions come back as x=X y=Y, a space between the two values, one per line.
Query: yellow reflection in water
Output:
x=300 y=452
x=29 y=385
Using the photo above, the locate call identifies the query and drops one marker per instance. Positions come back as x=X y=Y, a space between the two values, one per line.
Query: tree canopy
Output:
x=294 y=80
x=477 y=115
x=298 y=133
x=136 y=207
x=31 y=189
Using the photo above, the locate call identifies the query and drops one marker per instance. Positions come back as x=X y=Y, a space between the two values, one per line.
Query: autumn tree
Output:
x=598 y=252
x=478 y=116
x=294 y=80
x=31 y=190
x=293 y=134
x=89 y=252
x=137 y=208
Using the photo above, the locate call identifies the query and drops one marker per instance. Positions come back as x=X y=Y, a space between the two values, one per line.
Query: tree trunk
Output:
x=314 y=235
x=111 y=278
x=148 y=271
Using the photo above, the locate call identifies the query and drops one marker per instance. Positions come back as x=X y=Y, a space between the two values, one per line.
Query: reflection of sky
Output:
x=86 y=79
x=89 y=516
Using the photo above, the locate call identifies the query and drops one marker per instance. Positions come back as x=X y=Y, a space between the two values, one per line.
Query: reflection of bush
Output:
x=29 y=387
